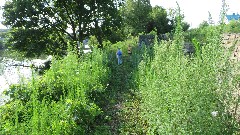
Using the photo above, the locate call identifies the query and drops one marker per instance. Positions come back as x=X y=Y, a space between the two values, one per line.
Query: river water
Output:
x=12 y=72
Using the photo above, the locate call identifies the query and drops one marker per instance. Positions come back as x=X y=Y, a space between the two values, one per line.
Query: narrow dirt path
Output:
x=120 y=101
x=118 y=93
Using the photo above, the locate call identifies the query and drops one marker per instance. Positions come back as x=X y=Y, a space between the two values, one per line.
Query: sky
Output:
x=195 y=11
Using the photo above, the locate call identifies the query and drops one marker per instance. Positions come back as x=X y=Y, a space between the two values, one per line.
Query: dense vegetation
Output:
x=59 y=102
x=56 y=23
x=157 y=90
x=179 y=94
x=3 y=34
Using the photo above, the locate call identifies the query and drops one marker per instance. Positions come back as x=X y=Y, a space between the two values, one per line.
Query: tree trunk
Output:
x=80 y=39
x=98 y=34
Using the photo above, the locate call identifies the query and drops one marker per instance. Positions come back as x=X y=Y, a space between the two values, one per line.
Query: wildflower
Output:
x=214 y=113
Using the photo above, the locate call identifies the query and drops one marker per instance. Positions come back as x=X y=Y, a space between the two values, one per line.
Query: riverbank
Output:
x=11 y=74
x=16 y=71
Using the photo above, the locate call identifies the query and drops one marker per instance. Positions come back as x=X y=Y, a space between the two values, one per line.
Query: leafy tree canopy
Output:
x=136 y=15
x=47 y=25
x=159 y=20
x=140 y=17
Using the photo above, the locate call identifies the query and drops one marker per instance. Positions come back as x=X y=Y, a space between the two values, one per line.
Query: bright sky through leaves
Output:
x=1 y=19
x=195 y=11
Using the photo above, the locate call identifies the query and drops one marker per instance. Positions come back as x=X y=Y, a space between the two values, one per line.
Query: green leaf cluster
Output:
x=60 y=101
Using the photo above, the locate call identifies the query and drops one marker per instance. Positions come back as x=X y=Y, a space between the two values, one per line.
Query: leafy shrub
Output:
x=59 y=102
x=179 y=95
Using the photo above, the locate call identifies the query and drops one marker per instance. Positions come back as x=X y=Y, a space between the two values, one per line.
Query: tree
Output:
x=233 y=27
x=136 y=15
x=34 y=21
x=199 y=34
x=185 y=26
x=159 y=20
x=1 y=44
x=203 y=24
x=173 y=19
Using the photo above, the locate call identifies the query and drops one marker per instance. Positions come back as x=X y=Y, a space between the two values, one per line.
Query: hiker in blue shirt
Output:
x=119 y=56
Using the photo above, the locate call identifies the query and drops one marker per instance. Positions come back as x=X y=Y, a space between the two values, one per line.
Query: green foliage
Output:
x=34 y=45
x=197 y=48
x=201 y=34
x=178 y=94
x=93 y=41
x=43 y=24
x=3 y=35
x=123 y=45
x=204 y=24
x=59 y=102
x=159 y=21
x=136 y=15
x=233 y=27
x=157 y=90
x=1 y=44
x=139 y=16
x=174 y=15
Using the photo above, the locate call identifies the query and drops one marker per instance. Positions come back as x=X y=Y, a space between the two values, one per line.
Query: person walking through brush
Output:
x=119 y=56
x=129 y=50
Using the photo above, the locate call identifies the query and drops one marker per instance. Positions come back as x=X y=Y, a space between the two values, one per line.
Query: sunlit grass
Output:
x=59 y=101
x=181 y=94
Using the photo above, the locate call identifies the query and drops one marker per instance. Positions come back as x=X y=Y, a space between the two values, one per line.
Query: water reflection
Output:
x=12 y=72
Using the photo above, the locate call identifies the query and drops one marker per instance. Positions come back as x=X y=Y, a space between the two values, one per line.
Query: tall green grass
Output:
x=179 y=95
x=158 y=90
x=60 y=101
